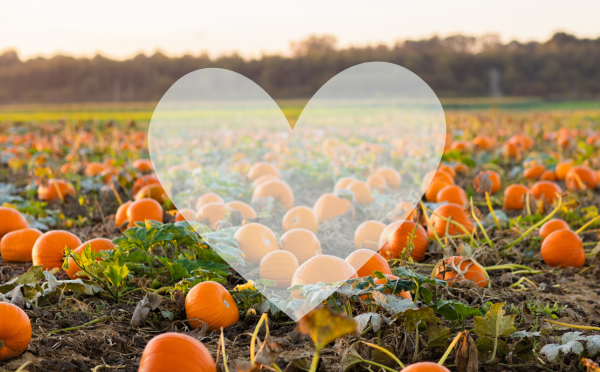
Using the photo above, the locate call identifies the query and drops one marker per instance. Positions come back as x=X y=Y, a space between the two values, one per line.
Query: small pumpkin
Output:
x=97 y=245
x=209 y=197
x=445 y=211
x=302 y=243
x=322 y=268
x=546 y=190
x=55 y=189
x=330 y=206
x=185 y=214
x=563 y=248
x=366 y=262
x=493 y=176
x=15 y=331
x=149 y=179
x=434 y=188
x=246 y=210
x=562 y=168
x=425 y=367
x=514 y=197
x=262 y=169
x=48 y=249
x=300 y=217
x=391 y=176
x=121 y=215
x=176 y=352
x=581 y=178
x=278 y=190
x=343 y=182
x=144 y=209
x=377 y=182
x=279 y=266
x=458 y=268
x=153 y=191
x=16 y=246
x=12 y=220
x=367 y=235
x=93 y=169
x=534 y=172
x=255 y=241
x=210 y=303
x=211 y=213
x=452 y=194
x=394 y=240
x=553 y=225
x=143 y=165
x=361 y=191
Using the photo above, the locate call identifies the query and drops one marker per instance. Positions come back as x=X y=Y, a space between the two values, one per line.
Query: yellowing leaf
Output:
x=324 y=326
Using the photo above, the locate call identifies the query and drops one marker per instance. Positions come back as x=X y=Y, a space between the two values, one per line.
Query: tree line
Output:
x=563 y=67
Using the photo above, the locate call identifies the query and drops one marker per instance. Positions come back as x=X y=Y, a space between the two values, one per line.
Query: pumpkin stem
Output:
x=222 y=342
x=263 y=319
x=587 y=224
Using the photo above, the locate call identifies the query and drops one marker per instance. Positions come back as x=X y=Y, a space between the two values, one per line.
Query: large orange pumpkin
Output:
x=546 y=190
x=580 y=178
x=210 y=303
x=514 y=197
x=458 y=268
x=255 y=241
x=434 y=188
x=12 y=220
x=366 y=262
x=394 y=240
x=55 y=189
x=15 y=331
x=367 y=234
x=322 y=268
x=446 y=211
x=97 y=245
x=176 y=352
x=329 y=206
x=48 y=249
x=302 y=243
x=16 y=246
x=144 y=209
x=551 y=226
x=300 y=217
x=563 y=248
x=279 y=266
x=425 y=367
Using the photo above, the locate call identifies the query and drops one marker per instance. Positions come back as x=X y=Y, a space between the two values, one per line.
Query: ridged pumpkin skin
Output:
x=121 y=215
x=256 y=241
x=15 y=331
x=144 y=209
x=300 y=217
x=329 y=206
x=97 y=245
x=367 y=235
x=322 y=268
x=394 y=240
x=48 y=249
x=514 y=197
x=12 y=220
x=176 y=352
x=144 y=181
x=434 y=188
x=425 y=367
x=50 y=191
x=154 y=191
x=563 y=248
x=553 y=225
x=458 y=215
x=470 y=270
x=302 y=243
x=366 y=262
x=16 y=246
x=210 y=303
x=279 y=266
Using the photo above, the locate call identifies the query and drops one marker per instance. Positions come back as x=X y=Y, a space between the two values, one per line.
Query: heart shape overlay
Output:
x=217 y=132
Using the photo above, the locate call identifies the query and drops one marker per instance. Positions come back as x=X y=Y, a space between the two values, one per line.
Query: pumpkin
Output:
x=377 y=182
x=553 y=225
x=247 y=211
x=446 y=211
x=278 y=190
x=461 y=168
x=279 y=266
x=48 y=249
x=522 y=141
x=176 y=352
x=16 y=246
x=15 y=331
x=342 y=183
x=12 y=220
x=255 y=241
x=300 y=217
x=394 y=240
x=581 y=177
x=546 y=190
x=367 y=235
x=361 y=191
x=425 y=367
x=563 y=248
x=534 y=172
x=55 y=189
x=261 y=169
x=562 y=168
x=211 y=213
x=434 y=188
x=435 y=176
x=272 y=157
x=329 y=206
x=548 y=176
x=263 y=179
x=458 y=268
x=93 y=169
x=391 y=176
x=149 y=179
x=510 y=150
x=185 y=214
x=210 y=303
x=143 y=165
x=144 y=209
x=366 y=262
x=403 y=294
x=97 y=245
x=493 y=176
x=322 y=268
x=302 y=243
x=121 y=215
x=483 y=142
x=514 y=197
x=209 y=197
x=452 y=194
x=154 y=191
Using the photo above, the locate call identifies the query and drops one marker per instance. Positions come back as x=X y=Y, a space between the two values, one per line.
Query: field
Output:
x=494 y=267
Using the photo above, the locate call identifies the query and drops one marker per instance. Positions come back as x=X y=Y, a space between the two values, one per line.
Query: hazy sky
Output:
x=124 y=28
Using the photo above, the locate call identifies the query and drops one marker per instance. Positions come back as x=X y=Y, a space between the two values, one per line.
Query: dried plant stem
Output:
x=452 y=344
x=263 y=319
x=487 y=238
x=587 y=224
x=572 y=325
x=489 y=203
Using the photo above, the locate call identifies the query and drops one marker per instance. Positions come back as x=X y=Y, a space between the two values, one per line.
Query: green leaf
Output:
x=413 y=317
x=438 y=336
x=392 y=304
x=453 y=310
x=494 y=325
x=485 y=348
x=116 y=274
x=176 y=270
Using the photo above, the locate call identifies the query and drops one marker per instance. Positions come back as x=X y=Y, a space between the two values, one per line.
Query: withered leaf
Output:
x=323 y=326
x=466 y=358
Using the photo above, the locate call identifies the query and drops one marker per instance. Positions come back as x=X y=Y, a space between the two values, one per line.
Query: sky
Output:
x=122 y=29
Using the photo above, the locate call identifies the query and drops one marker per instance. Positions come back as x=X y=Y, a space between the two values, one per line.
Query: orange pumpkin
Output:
x=211 y=213
x=93 y=169
x=185 y=214
x=403 y=294
x=97 y=245
x=493 y=176
x=425 y=367
x=48 y=249
x=279 y=266
x=278 y=190
x=15 y=331
x=154 y=191
x=563 y=248
x=55 y=189
x=482 y=142
x=143 y=165
x=329 y=206
x=458 y=268
x=255 y=241
x=12 y=220
x=562 y=168
x=548 y=175
x=376 y=182
x=247 y=211
x=434 y=188
x=367 y=234
x=581 y=177
x=534 y=172
x=210 y=303
x=461 y=168
x=176 y=352
x=546 y=190
x=366 y=262
x=446 y=211
x=121 y=215
x=302 y=243
x=510 y=150
x=262 y=169
x=394 y=240
x=391 y=176
x=553 y=225
x=300 y=217
x=149 y=179
x=16 y=246
x=361 y=191
x=322 y=268
x=343 y=182
x=144 y=209
x=209 y=197
x=452 y=194
x=514 y=197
